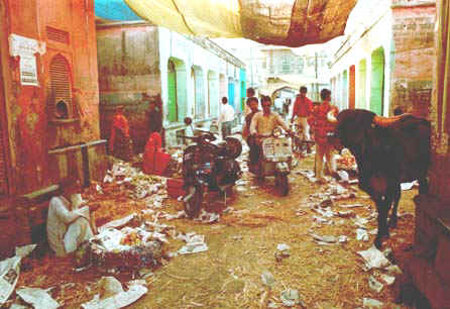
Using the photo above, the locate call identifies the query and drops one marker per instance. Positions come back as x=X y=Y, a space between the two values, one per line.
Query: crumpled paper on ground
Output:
x=9 y=271
x=194 y=244
x=38 y=298
x=374 y=258
x=116 y=299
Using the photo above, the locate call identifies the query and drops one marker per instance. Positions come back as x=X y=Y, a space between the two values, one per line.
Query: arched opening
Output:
x=351 y=88
x=231 y=92
x=213 y=95
x=172 y=101
x=361 y=90
x=377 y=81
x=60 y=88
x=199 y=92
x=344 y=90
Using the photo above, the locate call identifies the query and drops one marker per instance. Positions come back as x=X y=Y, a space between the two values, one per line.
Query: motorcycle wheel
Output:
x=193 y=206
x=282 y=184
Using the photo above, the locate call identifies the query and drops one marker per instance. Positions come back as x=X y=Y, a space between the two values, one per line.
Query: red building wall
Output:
x=31 y=132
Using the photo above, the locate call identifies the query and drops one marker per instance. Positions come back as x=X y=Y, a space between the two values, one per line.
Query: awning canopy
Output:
x=292 y=23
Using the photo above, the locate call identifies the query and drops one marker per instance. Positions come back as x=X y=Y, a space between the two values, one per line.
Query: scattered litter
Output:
x=178 y=215
x=38 y=298
x=346 y=214
x=389 y=280
x=361 y=235
x=408 y=185
x=300 y=212
x=352 y=205
x=371 y=303
x=394 y=270
x=343 y=175
x=117 y=223
x=194 y=244
x=327 y=239
x=321 y=220
x=113 y=296
x=10 y=270
x=267 y=279
x=374 y=258
x=326 y=203
x=375 y=285
x=290 y=298
x=98 y=188
x=283 y=251
x=360 y=222
x=208 y=217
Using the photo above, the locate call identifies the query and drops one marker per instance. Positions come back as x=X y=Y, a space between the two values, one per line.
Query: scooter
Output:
x=208 y=166
x=275 y=160
x=299 y=145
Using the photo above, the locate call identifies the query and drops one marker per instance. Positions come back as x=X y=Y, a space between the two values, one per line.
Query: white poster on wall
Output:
x=28 y=71
x=26 y=49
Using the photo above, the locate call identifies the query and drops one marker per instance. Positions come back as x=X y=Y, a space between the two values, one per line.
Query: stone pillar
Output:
x=429 y=268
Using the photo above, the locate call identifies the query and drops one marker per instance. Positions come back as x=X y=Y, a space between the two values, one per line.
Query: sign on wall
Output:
x=26 y=49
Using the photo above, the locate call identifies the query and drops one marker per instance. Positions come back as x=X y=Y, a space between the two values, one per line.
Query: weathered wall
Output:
x=30 y=128
x=128 y=60
x=413 y=47
x=369 y=28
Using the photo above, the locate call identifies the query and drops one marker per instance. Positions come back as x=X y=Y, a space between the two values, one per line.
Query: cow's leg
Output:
x=395 y=201
x=383 y=209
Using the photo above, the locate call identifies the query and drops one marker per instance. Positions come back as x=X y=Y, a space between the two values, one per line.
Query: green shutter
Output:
x=172 y=91
x=377 y=82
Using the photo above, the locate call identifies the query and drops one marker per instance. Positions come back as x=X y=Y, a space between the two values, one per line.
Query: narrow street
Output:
x=242 y=246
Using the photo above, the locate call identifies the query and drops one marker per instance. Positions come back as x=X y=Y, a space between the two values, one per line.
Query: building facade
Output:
x=385 y=58
x=188 y=76
x=48 y=106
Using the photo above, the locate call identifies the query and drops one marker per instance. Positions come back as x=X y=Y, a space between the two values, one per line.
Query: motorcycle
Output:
x=275 y=160
x=299 y=144
x=208 y=166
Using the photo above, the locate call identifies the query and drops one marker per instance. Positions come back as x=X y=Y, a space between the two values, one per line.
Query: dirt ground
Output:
x=242 y=245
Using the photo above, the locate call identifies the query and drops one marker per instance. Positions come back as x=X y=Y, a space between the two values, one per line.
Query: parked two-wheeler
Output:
x=275 y=160
x=208 y=166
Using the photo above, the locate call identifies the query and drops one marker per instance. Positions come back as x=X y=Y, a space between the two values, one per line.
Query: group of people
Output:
x=259 y=124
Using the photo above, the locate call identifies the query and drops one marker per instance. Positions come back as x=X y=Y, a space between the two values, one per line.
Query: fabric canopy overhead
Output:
x=291 y=23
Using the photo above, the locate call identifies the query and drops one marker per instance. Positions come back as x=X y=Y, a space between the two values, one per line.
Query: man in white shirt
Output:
x=226 y=118
x=68 y=226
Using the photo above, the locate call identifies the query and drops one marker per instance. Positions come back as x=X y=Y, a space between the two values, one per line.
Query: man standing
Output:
x=302 y=110
x=154 y=117
x=120 y=142
x=322 y=127
x=250 y=96
x=226 y=118
x=67 y=225
x=253 y=104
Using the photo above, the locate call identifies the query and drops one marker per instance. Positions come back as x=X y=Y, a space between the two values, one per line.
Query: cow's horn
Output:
x=331 y=118
x=386 y=121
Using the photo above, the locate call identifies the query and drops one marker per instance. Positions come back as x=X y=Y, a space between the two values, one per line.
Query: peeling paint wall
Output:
x=128 y=62
x=31 y=131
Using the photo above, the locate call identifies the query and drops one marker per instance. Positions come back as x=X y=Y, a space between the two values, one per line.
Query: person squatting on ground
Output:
x=322 y=127
x=302 y=110
x=67 y=225
x=253 y=104
x=120 y=142
x=262 y=125
x=226 y=118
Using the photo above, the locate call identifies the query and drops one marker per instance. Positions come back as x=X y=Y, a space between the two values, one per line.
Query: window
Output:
x=60 y=89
